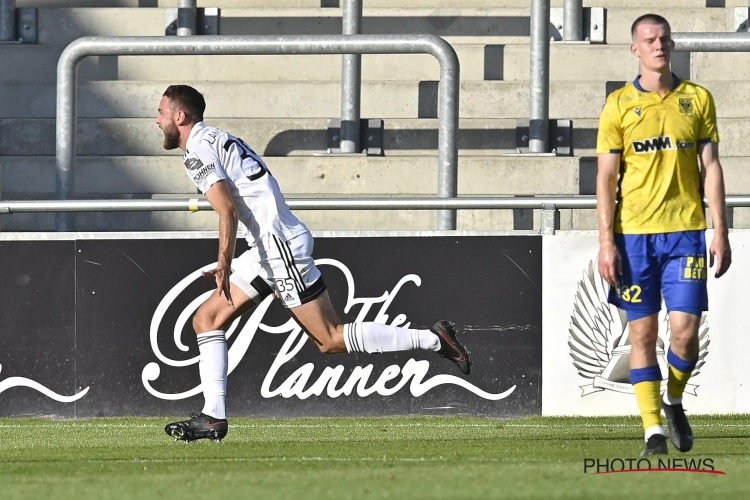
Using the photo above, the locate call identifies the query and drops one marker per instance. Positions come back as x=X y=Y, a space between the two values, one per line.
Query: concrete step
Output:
x=300 y=176
x=334 y=4
x=270 y=137
x=302 y=137
x=573 y=62
x=394 y=99
x=730 y=66
x=568 y=62
x=435 y=4
x=458 y=25
x=619 y=20
x=735 y=175
x=61 y=26
x=478 y=62
x=25 y=176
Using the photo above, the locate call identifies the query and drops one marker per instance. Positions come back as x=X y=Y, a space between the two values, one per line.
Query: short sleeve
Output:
x=708 y=131
x=609 y=137
x=204 y=168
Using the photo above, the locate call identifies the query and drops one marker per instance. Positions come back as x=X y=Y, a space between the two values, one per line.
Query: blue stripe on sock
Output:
x=683 y=365
x=647 y=374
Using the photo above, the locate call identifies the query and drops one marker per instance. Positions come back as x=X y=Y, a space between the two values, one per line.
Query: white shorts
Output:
x=278 y=265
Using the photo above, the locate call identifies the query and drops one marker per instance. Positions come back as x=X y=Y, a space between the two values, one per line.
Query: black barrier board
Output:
x=37 y=328
x=136 y=353
x=130 y=301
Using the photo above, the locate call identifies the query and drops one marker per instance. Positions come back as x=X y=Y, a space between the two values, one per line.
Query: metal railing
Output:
x=351 y=80
x=549 y=206
x=256 y=45
x=712 y=42
x=187 y=17
x=573 y=20
x=539 y=77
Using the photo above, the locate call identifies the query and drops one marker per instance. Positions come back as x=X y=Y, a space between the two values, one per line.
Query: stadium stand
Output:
x=281 y=106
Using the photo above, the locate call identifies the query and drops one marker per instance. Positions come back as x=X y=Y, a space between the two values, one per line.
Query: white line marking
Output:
x=436 y=425
x=301 y=459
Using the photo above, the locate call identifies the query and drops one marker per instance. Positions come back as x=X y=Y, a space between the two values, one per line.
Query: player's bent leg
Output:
x=645 y=376
x=320 y=321
x=682 y=357
x=215 y=313
x=209 y=323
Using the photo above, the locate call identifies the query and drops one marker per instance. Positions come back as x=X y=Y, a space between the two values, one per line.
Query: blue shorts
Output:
x=670 y=264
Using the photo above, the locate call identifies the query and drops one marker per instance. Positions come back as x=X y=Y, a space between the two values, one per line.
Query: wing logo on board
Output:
x=599 y=340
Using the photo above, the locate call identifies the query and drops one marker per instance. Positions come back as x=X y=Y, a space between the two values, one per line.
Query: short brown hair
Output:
x=649 y=18
x=188 y=100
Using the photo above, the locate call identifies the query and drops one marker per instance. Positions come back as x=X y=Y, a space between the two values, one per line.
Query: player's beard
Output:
x=171 y=136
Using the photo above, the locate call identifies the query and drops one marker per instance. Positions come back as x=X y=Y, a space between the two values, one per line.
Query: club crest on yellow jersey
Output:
x=686 y=105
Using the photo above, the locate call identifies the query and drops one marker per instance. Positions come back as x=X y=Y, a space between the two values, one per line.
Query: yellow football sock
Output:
x=679 y=374
x=677 y=382
x=648 y=394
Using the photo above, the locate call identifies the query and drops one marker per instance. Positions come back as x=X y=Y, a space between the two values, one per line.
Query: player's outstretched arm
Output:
x=221 y=200
x=713 y=184
x=610 y=263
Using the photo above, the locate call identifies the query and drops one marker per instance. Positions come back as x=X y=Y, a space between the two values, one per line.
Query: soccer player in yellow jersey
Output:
x=651 y=221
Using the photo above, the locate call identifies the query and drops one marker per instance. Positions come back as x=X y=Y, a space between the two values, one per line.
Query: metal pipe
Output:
x=351 y=81
x=8 y=21
x=711 y=42
x=187 y=17
x=539 y=86
x=298 y=204
x=550 y=204
x=267 y=45
x=573 y=20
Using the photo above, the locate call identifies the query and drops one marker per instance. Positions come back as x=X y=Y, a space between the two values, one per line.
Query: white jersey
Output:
x=212 y=155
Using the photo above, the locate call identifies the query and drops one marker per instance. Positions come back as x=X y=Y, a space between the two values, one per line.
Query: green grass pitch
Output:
x=360 y=458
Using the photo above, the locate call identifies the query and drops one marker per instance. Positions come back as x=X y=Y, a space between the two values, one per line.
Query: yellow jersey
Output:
x=659 y=187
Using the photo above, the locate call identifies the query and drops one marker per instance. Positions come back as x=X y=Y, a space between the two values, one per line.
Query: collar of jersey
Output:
x=675 y=83
x=196 y=128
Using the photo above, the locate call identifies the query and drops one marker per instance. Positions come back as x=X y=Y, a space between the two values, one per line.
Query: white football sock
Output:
x=670 y=400
x=213 y=370
x=376 y=337
x=654 y=429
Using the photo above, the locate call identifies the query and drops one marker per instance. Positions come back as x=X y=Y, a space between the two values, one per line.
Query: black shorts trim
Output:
x=261 y=287
x=313 y=291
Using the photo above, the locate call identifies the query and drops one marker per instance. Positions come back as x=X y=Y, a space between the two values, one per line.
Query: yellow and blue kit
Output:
x=659 y=219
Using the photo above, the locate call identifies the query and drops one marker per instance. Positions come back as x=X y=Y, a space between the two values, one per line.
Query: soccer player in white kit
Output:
x=244 y=194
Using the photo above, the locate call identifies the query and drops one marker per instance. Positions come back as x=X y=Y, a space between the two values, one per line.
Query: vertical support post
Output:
x=550 y=218
x=187 y=17
x=573 y=20
x=351 y=80
x=65 y=149
x=539 y=89
x=448 y=102
x=8 y=20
